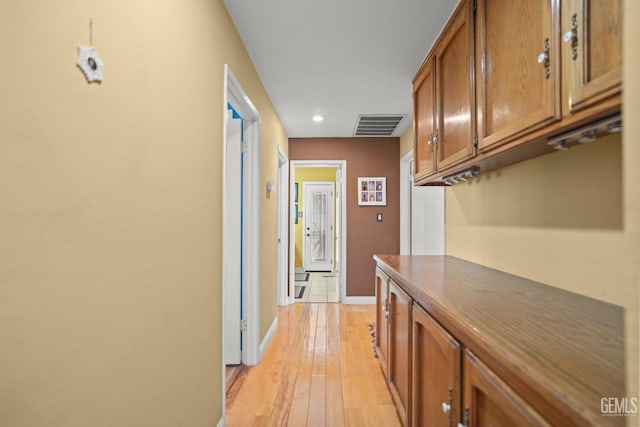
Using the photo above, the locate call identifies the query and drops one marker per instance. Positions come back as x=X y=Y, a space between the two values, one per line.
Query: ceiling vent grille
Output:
x=378 y=124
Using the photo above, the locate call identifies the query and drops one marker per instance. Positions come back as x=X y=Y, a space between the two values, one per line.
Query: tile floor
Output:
x=321 y=287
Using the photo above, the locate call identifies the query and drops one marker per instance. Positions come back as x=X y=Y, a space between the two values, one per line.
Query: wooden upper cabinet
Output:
x=489 y=402
x=518 y=63
x=592 y=39
x=436 y=359
x=424 y=111
x=382 y=296
x=455 y=129
x=443 y=98
x=399 y=372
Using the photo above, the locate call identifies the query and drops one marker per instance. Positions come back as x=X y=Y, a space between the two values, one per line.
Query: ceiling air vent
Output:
x=378 y=124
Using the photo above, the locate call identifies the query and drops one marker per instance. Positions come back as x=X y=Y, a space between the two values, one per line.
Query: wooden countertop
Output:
x=561 y=351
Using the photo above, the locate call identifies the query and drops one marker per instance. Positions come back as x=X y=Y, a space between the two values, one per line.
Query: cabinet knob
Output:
x=568 y=36
x=543 y=58
x=445 y=407
x=572 y=36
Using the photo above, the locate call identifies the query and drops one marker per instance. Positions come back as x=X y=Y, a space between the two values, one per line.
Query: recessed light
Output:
x=317 y=119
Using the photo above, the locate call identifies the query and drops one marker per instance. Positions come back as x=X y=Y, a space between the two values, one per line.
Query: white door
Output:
x=427 y=220
x=283 y=230
x=318 y=235
x=422 y=220
x=232 y=234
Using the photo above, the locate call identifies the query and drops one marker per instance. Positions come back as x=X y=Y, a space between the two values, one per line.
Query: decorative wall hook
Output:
x=90 y=63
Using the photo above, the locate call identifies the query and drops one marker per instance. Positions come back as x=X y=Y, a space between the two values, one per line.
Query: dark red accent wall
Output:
x=365 y=236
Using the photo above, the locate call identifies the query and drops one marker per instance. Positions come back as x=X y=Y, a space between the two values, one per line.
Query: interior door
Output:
x=233 y=200
x=426 y=220
x=318 y=215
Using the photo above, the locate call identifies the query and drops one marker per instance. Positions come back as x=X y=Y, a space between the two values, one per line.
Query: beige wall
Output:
x=110 y=213
x=569 y=219
x=306 y=175
x=406 y=141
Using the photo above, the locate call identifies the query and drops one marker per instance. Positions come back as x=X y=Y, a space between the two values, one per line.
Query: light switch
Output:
x=379 y=218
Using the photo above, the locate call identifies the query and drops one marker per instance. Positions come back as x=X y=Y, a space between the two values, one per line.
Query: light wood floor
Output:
x=318 y=371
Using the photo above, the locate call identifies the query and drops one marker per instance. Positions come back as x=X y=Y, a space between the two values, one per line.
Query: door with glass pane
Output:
x=318 y=218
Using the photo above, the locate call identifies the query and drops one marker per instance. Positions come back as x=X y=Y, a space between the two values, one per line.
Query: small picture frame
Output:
x=372 y=191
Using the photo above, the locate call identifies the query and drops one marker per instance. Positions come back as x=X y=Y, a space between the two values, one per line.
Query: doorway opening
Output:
x=241 y=229
x=317 y=263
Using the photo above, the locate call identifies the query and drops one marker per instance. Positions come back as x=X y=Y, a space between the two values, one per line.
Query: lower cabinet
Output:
x=399 y=372
x=436 y=381
x=382 y=320
x=488 y=401
x=463 y=345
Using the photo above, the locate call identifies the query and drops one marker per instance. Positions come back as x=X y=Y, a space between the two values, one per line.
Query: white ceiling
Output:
x=338 y=58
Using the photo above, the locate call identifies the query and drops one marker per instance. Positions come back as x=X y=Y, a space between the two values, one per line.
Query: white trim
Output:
x=221 y=422
x=341 y=188
x=282 y=258
x=252 y=211
x=234 y=94
x=268 y=337
x=359 y=300
x=405 y=203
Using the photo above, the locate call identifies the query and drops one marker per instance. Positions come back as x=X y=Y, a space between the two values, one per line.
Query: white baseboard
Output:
x=268 y=337
x=221 y=422
x=359 y=300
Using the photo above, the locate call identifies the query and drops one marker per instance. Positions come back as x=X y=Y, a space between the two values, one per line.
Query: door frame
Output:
x=304 y=221
x=406 y=181
x=283 y=229
x=236 y=96
x=341 y=231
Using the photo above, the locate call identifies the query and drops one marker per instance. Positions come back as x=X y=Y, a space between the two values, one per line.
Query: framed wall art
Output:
x=372 y=191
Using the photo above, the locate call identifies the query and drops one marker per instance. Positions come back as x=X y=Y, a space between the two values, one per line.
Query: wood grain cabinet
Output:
x=444 y=98
x=592 y=53
x=436 y=367
x=399 y=360
x=507 y=76
x=393 y=341
x=488 y=401
x=382 y=319
x=470 y=346
x=518 y=63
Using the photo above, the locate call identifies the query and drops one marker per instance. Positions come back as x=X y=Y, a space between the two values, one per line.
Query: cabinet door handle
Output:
x=572 y=36
x=543 y=58
x=445 y=407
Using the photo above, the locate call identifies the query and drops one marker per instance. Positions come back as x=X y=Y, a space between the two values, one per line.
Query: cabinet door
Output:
x=382 y=314
x=436 y=359
x=593 y=50
x=400 y=350
x=424 y=112
x=517 y=68
x=489 y=401
x=454 y=62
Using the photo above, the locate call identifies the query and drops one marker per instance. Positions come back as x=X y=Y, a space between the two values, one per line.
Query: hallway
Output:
x=319 y=287
x=318 y=371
